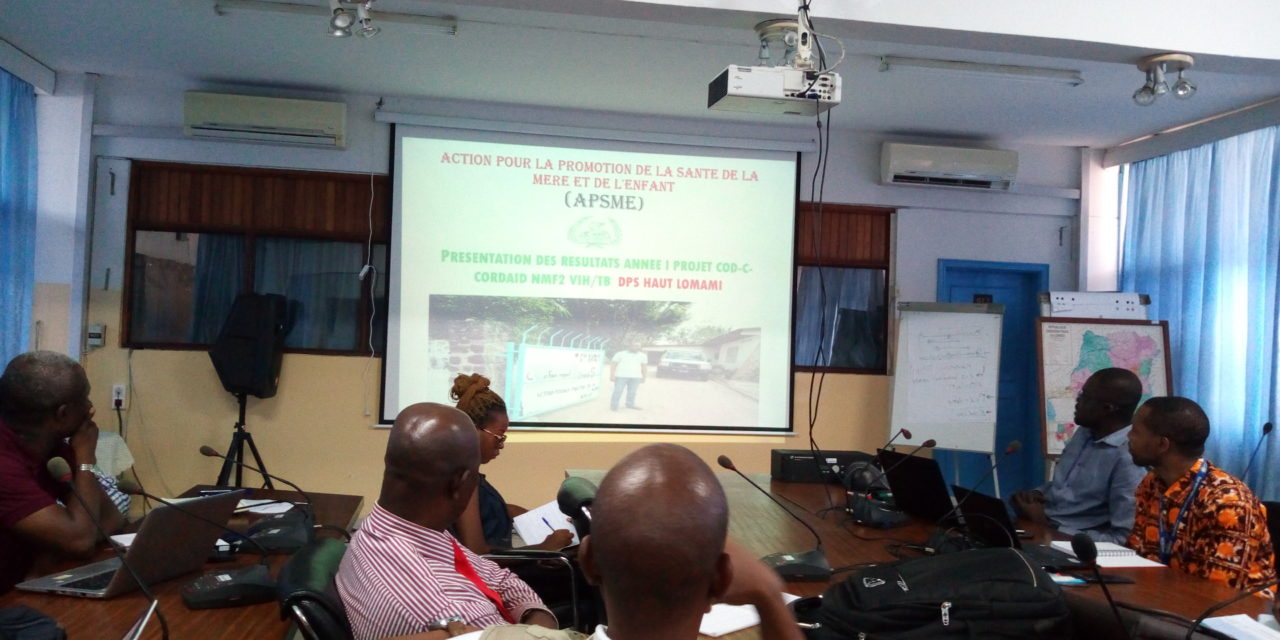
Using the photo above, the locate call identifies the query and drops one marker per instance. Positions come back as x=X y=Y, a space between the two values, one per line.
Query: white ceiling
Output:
x=628 y=57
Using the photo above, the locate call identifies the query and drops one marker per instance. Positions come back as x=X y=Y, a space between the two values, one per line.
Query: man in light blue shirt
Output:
x=1095 y=479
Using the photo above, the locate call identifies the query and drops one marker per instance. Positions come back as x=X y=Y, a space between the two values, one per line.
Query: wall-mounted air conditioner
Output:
x=958 y=167
x=225 y=116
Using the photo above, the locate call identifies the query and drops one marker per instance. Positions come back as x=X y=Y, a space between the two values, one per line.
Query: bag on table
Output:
x=982 y=593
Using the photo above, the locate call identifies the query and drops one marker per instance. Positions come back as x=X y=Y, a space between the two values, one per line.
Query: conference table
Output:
x=755 y=521
x=86 y=619
x=760 y=525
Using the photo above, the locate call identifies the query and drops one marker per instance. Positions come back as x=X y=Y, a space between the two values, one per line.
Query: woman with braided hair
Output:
x=486 y=523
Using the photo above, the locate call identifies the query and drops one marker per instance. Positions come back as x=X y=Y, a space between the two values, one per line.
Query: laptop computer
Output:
x=169 y=543
x=917 y=484
x=987 y=520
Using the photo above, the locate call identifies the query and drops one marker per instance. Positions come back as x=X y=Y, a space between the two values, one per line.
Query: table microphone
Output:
x=806 y=566
x=1266 y=431
x=1087 y=553
x=282 y=532
x=574 y=499
x=61 y=471
x=223 y=587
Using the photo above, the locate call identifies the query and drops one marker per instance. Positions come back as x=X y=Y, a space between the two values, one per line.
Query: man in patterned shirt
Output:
x=404 y=572
x=1192 y=515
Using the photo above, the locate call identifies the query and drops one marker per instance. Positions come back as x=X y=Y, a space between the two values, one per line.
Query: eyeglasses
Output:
x=500 y=438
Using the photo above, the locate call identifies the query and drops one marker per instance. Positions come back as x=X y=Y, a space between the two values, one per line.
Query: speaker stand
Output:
x=235 y=453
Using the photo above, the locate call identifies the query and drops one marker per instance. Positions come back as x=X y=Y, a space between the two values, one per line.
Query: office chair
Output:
x=584 y=605
x=307 y=592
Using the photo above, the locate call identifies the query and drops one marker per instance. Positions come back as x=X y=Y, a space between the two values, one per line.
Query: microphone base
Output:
x=230 y=588
x=809 y=566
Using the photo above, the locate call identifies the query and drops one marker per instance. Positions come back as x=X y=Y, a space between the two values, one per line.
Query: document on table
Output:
x=126 y=540
x=1242 y=627
x=534 y=525
x=724 y=619
x=264 y=507
x=1112 y=556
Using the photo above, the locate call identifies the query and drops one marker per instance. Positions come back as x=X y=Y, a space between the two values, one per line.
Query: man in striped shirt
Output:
x=404 y=572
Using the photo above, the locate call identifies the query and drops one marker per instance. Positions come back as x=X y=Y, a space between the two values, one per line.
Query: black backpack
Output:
x=982 y=593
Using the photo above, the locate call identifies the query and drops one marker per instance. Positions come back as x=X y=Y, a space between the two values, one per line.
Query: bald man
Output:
x=1094 y=481
x=404 y=572
x=45 y=412
x=659 y=554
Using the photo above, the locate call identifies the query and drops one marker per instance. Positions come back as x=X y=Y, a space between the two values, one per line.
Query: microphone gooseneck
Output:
x=927 y=444
x=725 y=462
x=1012 y=447
x=60 y=469
x=208 y=451
x=1086 y=551
x=808 y=565
x=1266 y=431
x=1222 y=605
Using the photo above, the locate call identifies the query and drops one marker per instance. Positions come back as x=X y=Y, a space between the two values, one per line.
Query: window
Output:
x=842 y=284
x=201 y=235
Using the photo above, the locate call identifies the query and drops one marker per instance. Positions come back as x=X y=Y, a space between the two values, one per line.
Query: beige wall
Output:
x=315 y=431
x=49 y=311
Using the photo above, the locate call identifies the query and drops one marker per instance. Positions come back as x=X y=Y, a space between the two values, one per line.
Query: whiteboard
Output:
x=946 y=382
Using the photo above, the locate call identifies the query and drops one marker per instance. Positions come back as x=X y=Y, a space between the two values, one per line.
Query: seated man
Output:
x=44 y=400
x=659 y=554
x=1192 y=515
x=404 y=573
x=1094 y=480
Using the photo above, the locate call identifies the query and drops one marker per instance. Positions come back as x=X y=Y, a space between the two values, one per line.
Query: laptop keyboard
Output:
x=91 y=583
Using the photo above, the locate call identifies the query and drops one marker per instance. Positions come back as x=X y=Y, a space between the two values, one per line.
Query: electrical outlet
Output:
x=117 y=397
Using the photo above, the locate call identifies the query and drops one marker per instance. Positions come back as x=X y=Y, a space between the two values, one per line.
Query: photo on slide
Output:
x=614 y=363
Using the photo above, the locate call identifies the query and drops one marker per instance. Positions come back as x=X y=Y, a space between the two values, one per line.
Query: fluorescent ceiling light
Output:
x=446 y=26
x=1007 y=71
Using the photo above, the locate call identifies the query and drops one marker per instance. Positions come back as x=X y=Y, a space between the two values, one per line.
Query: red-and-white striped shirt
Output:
x=397 y=576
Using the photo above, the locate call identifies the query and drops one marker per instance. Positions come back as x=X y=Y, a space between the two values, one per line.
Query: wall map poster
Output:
x=1072 y=349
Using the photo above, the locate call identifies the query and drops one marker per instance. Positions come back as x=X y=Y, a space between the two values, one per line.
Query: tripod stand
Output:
x=235 y=453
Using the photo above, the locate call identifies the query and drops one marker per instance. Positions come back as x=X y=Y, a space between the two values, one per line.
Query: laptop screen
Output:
x=986 y=518
x=917 y=484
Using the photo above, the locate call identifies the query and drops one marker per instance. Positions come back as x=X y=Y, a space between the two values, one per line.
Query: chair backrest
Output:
x=307 y=593
x=1273 y=525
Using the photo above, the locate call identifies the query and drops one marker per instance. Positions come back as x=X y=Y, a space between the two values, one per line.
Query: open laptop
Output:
x=169 y=543
x=917 y=484
x=987 y=520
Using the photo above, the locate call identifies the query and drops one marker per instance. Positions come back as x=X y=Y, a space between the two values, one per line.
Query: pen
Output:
x=544 y=521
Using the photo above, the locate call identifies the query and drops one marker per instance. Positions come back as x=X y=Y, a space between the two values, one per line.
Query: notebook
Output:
x=169 y=543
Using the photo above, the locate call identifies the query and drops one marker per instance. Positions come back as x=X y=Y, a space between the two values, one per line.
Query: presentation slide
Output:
x=614 y=286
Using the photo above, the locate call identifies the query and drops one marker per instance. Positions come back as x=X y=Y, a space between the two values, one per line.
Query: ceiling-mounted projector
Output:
x=774 y=90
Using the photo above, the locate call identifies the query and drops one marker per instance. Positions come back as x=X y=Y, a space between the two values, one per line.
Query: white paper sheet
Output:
x=536 y=524
x=724 y=619
x=1242 y=627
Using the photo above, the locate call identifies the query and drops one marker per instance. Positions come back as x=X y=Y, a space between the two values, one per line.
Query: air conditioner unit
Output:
x=224 y=116
x=958 y=167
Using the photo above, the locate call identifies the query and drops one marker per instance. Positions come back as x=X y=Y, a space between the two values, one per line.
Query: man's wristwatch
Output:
x=442 y=624
x=91 y=468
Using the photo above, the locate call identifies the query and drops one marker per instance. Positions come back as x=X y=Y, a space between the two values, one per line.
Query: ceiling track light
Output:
x=447 y=26
x=339 y=20
x=1156 y=68
x=366 y=30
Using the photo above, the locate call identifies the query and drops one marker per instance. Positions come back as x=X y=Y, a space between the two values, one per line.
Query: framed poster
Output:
x=1072 y=349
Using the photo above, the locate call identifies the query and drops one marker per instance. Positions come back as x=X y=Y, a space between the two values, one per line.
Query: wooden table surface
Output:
x=759 y=524
x=86 y=619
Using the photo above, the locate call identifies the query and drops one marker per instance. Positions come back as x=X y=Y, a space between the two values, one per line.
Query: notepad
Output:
x=1243 y=627
x=1112 y=556
x=534 y=525
x=724 y=619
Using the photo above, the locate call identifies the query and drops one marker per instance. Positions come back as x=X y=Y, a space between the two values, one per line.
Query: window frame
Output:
x=188 y=188
x=866 y=243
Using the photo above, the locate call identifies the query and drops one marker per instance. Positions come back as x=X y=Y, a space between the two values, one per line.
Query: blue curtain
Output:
x=850 y=327
x=318 y=277
x=219 y=275
x=17 y=213
x=1203 y=238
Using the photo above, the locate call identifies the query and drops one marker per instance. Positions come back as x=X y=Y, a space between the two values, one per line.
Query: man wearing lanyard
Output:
x=1094 y=480
x=1192 y=515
